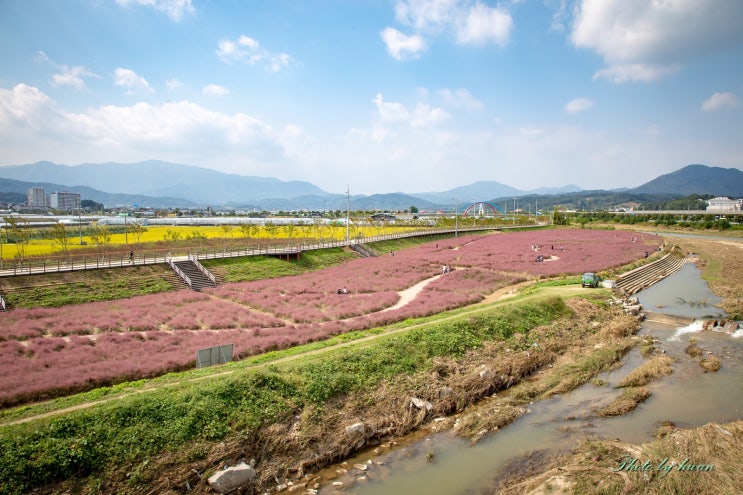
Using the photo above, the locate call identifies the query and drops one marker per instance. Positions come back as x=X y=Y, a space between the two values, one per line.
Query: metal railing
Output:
x=201 y=268
x=178 y=271
x=33 y=267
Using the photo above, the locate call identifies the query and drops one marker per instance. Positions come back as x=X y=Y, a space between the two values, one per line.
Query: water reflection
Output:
x=682 y=294
x=688 y=397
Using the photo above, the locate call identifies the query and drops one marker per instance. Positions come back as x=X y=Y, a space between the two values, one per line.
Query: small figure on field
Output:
x=131 y=256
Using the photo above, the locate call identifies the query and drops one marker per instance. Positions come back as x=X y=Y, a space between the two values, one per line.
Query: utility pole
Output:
x=348 y=212
x=80 y=224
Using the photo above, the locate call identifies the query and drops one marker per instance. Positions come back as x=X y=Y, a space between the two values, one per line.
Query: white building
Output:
x=64 y=200
x=723 y=204
x=37 y=197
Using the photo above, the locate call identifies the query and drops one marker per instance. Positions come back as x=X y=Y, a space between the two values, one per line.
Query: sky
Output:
x=378 y=96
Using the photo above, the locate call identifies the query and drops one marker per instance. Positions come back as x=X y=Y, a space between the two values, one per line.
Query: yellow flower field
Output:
x=156 y=233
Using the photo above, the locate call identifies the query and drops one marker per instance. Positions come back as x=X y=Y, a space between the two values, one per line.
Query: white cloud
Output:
x=635 y=73
x=424 y=116
x=67 y=76
x=293 y=130
x=402 y=46
x=721 y=101
x=175 y=9
x=173 y=84
x=461 y=98
x=642 y=40
x=215 y=90
x=278 y=62
x=559 y=16
x=127 y=78
x=468 y=22
x=482 y=24
x=578 y=105
x=247 y=50
x=178 y=131
x=391 y=112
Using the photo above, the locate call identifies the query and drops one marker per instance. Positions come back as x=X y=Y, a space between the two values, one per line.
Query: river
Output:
x=441 y=464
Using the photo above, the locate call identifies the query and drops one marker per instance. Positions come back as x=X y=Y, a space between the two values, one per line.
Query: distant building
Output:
x=37 y=198
x=64 y=200
x=383 y=217
x=723 y=204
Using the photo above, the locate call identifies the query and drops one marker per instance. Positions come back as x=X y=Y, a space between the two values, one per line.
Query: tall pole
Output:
x=80 y=224
x=348 y=212
x=456 y=218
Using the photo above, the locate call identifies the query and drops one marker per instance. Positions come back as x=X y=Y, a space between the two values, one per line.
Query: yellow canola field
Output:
x=155 y=233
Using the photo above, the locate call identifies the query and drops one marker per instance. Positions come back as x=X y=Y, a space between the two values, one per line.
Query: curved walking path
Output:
x=406 y=296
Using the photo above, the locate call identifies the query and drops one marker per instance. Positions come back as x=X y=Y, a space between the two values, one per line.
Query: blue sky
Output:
x=378 y=95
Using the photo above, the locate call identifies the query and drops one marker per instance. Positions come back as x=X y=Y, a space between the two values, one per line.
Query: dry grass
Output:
x=721 y=268
x=595 y=466
x=693 y=350
x=630 y=398
x=647 y=372
x=710 y=363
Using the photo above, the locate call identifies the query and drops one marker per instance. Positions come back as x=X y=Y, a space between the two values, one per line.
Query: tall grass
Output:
x=118 y=434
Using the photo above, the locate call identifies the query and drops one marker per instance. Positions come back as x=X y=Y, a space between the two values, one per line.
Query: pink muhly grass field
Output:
x=49 y=352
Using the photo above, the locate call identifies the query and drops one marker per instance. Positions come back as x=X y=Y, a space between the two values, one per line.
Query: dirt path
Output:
x=406 y=296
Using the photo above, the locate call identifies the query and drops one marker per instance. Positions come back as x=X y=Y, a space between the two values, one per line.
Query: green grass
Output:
x=59 y=289
x=136 y=426
x=262 y=267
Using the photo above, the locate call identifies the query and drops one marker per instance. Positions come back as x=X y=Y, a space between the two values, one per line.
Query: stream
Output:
x=441 y=464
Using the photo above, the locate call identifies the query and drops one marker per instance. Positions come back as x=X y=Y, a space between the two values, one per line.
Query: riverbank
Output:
x=705 y=459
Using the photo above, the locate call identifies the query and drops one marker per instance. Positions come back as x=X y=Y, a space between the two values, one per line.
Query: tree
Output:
x=270 y=229
x=559 y=217
x=248 y=229
x=100 y=235
x=137 y=229
x=413 y=209
x=21 y=234
x=59 y=236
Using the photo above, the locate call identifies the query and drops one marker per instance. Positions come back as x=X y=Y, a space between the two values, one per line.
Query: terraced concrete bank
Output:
x=646 y=275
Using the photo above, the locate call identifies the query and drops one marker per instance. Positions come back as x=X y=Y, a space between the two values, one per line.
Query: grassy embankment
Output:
x=120 y=443
x=59 y=289
x=289 y=414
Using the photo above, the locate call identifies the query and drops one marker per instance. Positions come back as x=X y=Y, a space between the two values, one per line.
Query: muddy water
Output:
x=442 y=464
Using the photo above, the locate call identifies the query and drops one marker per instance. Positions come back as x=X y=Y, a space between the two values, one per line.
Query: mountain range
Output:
x=159 y=184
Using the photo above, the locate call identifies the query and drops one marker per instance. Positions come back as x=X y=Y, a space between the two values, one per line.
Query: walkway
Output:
x=42 y=267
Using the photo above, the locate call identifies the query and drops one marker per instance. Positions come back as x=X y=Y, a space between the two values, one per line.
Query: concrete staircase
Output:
x=196 y=276
x=363 y=250
x=645 y=276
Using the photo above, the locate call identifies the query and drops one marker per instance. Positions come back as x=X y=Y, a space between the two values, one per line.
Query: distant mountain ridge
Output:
x=161 y=184
x=162 y=179
x=697 y=179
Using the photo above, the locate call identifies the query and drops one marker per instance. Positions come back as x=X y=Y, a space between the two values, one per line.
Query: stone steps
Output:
x=645 y=276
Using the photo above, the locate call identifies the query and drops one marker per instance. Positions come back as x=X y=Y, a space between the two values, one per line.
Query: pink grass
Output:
x=49 y=352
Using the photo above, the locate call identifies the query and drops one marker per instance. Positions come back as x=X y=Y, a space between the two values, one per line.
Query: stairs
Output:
x=363 y=250
x=645 y=276
x=196 y=276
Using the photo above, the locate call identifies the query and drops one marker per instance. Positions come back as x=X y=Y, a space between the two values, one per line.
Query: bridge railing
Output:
x=150 y=257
